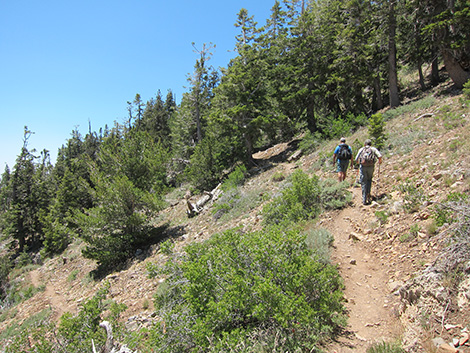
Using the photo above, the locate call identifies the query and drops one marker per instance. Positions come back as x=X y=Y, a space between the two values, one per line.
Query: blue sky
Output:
x=65 y=63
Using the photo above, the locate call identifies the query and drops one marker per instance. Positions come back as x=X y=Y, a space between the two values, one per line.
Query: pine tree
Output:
x=155 y=120
x=449 y=25
x=129 y=179
x=240 y=99
x=30 y=189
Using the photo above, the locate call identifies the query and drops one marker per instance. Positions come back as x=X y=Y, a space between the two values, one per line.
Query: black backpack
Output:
x=344 y=152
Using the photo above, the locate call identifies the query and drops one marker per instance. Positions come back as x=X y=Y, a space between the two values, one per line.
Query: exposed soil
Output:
x=369 y=303
x=372 y=257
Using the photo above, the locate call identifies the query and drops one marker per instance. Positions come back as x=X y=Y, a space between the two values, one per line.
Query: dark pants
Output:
x=366 y=181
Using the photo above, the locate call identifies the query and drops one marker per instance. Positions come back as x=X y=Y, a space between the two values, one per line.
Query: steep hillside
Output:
x=386 y=252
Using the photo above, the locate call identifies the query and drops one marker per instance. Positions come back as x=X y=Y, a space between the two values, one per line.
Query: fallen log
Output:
x=196 y=208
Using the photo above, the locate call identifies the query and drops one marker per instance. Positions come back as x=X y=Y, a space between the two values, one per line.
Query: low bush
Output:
x=235 y=178
x=377 y=130
x=334 y=195
x=412 y=107
x=238 y=291
x=310 y=142
x=236 y=202
x=413 y=196
x=386 y=347
x=445 y=212
x=319 y=241
x=382 y=216
x=412 y=234
x=297 y=202
x=74 y=333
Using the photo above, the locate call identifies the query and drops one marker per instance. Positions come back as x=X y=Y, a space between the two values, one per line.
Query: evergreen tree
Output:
x=449 y=26
x=200 y=93
x=241 y=99
x=392 y=55
x=189 y=122
x=129 y=179
x=273 y=41
x=30 y=190
x=155 y=120
x=5 y=190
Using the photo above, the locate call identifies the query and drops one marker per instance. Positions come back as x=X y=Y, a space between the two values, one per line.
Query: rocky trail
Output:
x=369 y=302
x=378 y=261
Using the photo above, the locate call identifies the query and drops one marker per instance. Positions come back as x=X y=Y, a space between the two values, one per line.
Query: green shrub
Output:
x=207 y=163
x=382 y=216
x=412 y=234
x=319 y=241
x=119 y=224
x=422 y=104
x=73 y=275
x=235 y=178
x=278 y=176
x=256 y=289
x=235 y=202
x=385 y=347
x=413 y=196
x=300 y=201
x=443 y=213
x=23 y=260
x=377 y=130
x=167 y=246
x=74 y=333
x=310 y=142
x=466 y=90
x=340 y=127
x=334 y=195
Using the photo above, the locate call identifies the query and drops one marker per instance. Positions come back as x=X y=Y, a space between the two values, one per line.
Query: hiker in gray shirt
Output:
x=367 y=156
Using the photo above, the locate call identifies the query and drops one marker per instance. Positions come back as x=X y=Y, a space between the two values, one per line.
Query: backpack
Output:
x=344 y=152
x=367 y=158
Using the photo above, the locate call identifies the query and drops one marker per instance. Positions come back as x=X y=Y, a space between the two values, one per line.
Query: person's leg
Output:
x=339 y=170
x=363 y=181
x=342 y=168
x=369 y=172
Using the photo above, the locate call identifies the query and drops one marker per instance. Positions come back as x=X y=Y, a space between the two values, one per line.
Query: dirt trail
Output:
x=369 y=301
x=53 y=296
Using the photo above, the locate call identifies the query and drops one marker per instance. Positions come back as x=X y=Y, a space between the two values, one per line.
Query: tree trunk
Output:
x=392 y=57
x=311 y=120
x=456 y=72
x=421 y=76
x=377 y=101
x=420 y=60
x=198 y=121
x=435 y=69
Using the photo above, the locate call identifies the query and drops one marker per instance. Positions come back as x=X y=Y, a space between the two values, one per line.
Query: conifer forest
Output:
x=317 y=69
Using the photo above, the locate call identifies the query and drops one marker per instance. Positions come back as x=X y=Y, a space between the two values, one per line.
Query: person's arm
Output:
x=379 y=155
x=334 y=158
x=358 y=154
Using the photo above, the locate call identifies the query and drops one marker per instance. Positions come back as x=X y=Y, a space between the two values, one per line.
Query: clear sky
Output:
x=65 y=63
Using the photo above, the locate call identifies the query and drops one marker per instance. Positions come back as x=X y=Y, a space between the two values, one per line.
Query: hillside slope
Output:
x=380 y=249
